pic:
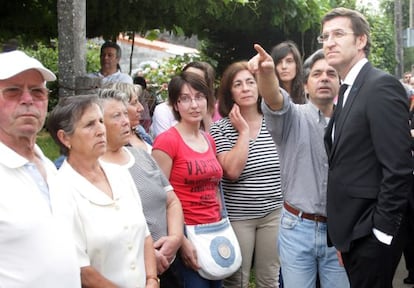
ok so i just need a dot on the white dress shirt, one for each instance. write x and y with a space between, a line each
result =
36 246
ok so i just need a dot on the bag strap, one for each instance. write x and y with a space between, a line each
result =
220 187
223 204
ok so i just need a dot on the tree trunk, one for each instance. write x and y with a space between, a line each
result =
399 39
72 43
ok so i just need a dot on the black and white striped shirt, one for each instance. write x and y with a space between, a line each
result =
257 192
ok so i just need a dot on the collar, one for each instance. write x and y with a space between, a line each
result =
113 74
316 112
85 188
13 160
353 73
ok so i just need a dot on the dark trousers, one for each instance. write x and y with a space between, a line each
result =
409 245
171 277
409 241
372 264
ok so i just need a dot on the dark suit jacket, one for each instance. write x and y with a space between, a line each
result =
370 169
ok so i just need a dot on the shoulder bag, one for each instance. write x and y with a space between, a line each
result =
218 250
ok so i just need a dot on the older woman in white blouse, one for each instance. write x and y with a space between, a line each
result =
113 241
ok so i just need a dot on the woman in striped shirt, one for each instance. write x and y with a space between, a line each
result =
251 181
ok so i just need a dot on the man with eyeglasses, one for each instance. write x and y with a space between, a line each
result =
36 245
368 146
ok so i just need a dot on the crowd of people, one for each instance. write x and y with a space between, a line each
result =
314 160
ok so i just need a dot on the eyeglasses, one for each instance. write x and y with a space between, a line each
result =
335 34
187 99
14 93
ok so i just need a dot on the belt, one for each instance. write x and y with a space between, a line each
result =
301 214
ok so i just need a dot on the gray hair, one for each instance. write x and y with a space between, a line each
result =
106 94
127 88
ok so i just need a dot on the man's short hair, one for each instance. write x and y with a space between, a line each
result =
310 61
360 25
109 44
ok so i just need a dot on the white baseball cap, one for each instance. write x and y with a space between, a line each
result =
15 62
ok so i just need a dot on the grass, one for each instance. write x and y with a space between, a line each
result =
48 146
252 279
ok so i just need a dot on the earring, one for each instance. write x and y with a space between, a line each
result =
69 146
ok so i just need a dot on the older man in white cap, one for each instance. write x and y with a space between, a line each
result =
36 248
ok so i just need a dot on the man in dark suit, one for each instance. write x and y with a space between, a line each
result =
368 146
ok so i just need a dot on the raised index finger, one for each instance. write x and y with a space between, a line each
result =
260 50
255 61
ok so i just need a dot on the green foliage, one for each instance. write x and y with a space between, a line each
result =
408 59
157 78
93 51
108 18
230 37
351 4
48 55
382 53
28 20
388 7
229 27
48 146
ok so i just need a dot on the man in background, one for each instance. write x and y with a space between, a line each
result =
110 69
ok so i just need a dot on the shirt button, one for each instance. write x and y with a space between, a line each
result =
132 266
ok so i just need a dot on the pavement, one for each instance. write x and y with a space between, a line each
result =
400 274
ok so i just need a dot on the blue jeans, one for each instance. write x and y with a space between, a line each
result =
304 253
191 279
